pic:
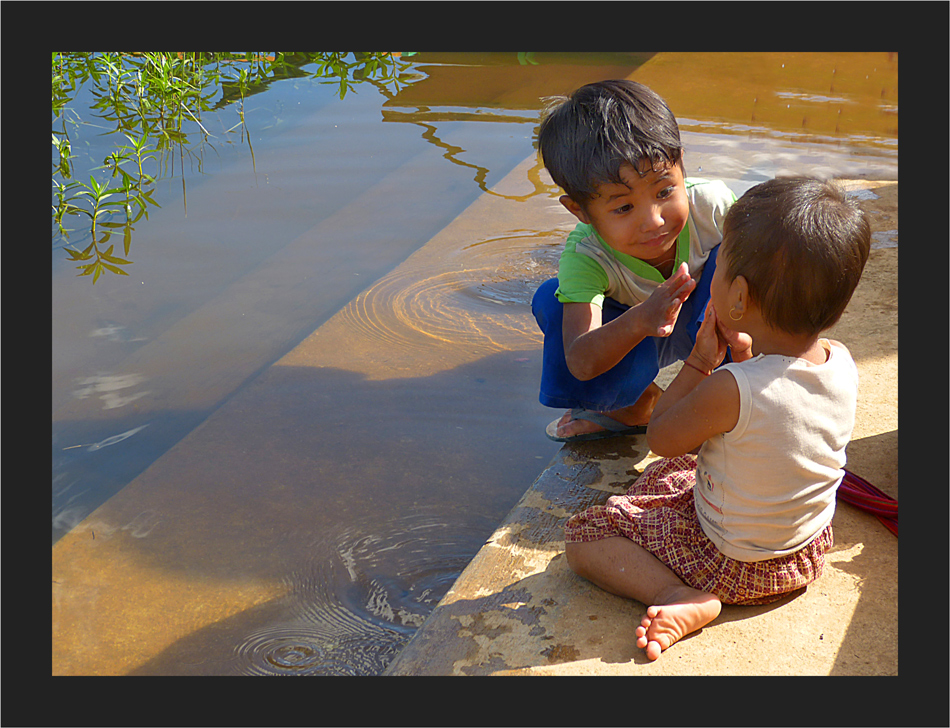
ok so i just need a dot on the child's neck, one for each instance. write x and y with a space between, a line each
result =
772 341
767 339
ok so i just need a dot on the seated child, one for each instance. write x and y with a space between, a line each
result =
633 279
749 519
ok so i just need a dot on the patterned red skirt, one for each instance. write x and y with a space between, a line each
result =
658 513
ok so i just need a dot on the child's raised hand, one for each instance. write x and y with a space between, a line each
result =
663 306
738 341
710 346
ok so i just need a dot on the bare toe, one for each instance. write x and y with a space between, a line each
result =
569 427
654 650
642 636
664 625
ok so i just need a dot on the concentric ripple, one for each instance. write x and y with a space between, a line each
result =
282 650
462 297
365 591
515 265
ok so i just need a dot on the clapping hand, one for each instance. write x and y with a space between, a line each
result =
714 338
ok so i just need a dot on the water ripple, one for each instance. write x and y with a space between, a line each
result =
463 299
281 650
363 594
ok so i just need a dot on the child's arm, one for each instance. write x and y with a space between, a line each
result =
592 347
696 406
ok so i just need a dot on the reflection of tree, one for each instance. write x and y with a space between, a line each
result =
452 152
426 118
156 101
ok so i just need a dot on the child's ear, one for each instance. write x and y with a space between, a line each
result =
574 208
739 294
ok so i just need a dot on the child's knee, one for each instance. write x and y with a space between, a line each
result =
544 303
546 290
576 557
545 294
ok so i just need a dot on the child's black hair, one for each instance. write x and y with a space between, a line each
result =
586 137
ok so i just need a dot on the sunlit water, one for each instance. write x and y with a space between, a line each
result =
399 457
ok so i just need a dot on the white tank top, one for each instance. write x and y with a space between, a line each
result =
767 487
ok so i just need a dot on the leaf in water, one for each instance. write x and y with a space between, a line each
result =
114 269
150 96
112 259
76 255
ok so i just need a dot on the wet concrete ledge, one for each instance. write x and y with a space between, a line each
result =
517 609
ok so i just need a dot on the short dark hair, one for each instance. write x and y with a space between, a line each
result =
801 244
585 137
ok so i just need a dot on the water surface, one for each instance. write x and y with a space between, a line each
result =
315 395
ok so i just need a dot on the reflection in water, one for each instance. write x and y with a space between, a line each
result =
155 100
452 151
311 514
109 390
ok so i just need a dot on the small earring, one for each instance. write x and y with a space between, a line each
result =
732 315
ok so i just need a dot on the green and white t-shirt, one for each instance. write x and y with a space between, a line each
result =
591 270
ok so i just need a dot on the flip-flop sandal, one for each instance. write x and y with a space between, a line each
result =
612 428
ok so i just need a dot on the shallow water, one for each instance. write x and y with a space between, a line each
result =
360 474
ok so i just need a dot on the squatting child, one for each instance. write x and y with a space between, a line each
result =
748 520
633 279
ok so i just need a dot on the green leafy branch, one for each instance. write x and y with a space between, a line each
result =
151 98
100 212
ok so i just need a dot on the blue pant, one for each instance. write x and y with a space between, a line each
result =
622 385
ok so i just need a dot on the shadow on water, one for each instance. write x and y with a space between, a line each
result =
305 518
363 499
270 248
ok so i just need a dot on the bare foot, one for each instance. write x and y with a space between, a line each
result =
636 414
665 624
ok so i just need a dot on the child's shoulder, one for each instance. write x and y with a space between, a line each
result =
708 188
839 348
583 234
709 198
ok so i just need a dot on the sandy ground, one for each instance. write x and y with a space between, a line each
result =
518 609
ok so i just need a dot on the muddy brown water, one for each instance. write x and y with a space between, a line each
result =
307 407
